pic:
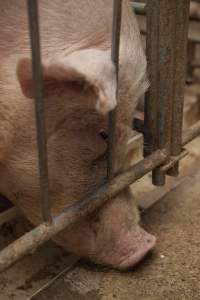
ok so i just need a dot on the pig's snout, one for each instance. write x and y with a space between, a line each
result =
126 251
138 251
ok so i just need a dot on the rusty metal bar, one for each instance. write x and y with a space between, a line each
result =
166 11
179 77
32 6
174 160
160 53
38 236
116 29
167 30
8 215
150 107
191 133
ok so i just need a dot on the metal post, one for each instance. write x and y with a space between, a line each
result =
150 107
167 27
116 29
179 77
39 107
160 50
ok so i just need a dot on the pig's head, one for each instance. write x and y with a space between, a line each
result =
79 90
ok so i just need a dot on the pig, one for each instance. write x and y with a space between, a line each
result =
79 90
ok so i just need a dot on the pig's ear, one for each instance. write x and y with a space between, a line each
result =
91 67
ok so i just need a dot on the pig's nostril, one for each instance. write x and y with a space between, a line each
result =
103 134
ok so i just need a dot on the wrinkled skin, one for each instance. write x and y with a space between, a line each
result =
79 89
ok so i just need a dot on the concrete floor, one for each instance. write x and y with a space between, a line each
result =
28 275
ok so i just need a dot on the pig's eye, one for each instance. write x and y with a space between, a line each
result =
103 134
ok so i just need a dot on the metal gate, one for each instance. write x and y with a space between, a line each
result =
164 141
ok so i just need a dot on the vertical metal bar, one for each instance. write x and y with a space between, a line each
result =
160 25
116 29
180 50
39 107
150 107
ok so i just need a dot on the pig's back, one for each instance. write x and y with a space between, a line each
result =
65 25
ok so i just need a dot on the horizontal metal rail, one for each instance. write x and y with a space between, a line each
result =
192 39
29 242
191 133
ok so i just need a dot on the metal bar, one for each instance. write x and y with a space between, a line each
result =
179 77
166 55
150 107
191 133
160 53
32 240
173 161
39 107
116 29
9 215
